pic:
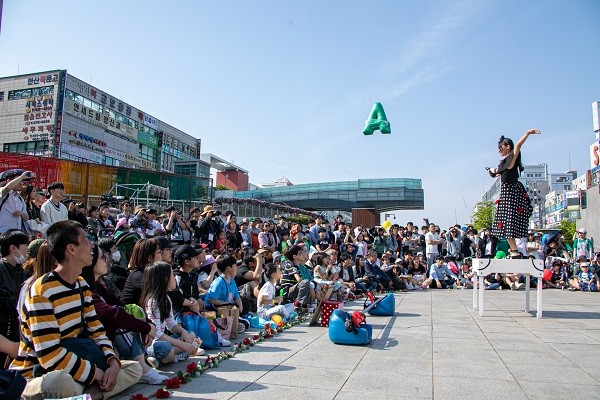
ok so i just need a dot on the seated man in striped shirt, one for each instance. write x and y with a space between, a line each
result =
64 350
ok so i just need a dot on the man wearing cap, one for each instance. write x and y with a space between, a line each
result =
165 246
186 297
53 210
582 246
208 229
157 228
174 224
139 223
13 210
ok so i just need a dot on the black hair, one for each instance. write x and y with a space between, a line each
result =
310 221
439 257
106 243
320 258
508 142
155 285
224 261
292 252
270 269
248 255
12 237
344 257
55 185
322 230
61 234
91 209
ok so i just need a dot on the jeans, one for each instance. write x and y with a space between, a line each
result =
492 286
127 350
82 348
160 349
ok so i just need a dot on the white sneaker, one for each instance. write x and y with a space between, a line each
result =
513 286
520 286
200 352
409 286
153 377
224 342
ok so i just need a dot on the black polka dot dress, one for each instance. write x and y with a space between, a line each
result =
513 212
514 206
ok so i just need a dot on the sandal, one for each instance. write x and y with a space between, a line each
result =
515 254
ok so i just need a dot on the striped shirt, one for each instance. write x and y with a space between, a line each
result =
51 313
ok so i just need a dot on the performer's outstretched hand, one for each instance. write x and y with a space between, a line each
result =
534 132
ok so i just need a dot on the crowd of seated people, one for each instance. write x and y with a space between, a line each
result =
94 304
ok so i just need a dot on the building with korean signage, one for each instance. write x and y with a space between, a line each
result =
55 114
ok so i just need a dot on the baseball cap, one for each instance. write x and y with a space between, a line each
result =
185 252
164 243
12 174
34 247
582 230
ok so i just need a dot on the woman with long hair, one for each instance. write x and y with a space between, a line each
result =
514 205
233 235
29 195
43 263
164 349
360 245
129 334
145 252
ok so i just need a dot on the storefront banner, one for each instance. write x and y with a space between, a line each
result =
116 154
97 118
81 153
147 139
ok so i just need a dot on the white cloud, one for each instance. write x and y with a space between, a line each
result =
430 53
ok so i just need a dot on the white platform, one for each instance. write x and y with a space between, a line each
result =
485 266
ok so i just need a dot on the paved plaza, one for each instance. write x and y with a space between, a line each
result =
434 347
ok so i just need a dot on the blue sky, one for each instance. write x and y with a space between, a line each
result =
283 88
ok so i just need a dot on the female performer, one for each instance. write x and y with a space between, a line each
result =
514 206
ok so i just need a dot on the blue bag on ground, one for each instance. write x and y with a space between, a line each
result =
385 306
338 333
201 327
258 322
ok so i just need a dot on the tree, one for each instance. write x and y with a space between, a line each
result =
221 187
568 230
483 216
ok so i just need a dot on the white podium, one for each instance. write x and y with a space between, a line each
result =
485 266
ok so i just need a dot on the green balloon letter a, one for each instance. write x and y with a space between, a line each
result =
377 120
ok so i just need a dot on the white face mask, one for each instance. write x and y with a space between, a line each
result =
20 259
116 256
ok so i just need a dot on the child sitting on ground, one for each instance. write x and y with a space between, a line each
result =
465 276
158 281
586 279
267 303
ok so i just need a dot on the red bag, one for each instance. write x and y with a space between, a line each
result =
328 307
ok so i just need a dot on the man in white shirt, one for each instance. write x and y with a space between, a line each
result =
53 210
432 239
12 207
